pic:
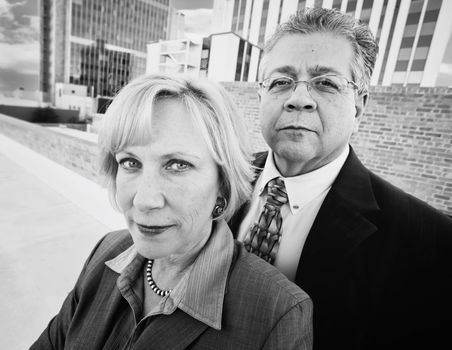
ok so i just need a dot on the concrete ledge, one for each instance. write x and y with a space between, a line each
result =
66 148
83 192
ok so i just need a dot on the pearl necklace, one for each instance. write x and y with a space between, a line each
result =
155 289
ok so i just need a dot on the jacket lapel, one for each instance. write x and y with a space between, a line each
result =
176 331
341 224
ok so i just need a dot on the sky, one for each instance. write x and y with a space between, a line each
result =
198 15
19 44
19 38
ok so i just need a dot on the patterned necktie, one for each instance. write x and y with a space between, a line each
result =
264 236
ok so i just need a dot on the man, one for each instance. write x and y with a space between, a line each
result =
375 260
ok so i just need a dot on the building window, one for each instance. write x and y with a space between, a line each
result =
264 19
351 7
388 47
238 68
301 5
246 68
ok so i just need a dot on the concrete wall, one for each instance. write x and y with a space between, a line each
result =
41 115
405 137
74 153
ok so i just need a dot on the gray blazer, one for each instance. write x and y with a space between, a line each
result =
262 310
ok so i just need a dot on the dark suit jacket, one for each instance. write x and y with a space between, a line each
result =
377 264
261 310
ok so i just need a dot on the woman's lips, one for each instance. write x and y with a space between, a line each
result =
154 229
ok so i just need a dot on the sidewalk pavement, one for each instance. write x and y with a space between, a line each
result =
50 219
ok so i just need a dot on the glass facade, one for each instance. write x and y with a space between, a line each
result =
117 31
366 11
336 4
45 51
301 5
241 18
238 69
263 23
103 42
235 15
351 8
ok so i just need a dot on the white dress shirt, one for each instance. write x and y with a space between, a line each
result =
306 193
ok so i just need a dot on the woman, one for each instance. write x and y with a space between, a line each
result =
173 151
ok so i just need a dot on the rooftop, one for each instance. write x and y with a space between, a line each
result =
50 219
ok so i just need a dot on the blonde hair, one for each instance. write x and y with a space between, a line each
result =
128 121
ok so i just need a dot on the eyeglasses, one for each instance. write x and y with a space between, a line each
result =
323 85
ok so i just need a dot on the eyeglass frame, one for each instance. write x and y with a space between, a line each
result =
307 82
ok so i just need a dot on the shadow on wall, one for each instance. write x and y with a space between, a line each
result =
42 115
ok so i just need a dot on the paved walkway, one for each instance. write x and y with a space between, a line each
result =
50 219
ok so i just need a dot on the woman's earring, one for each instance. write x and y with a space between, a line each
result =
220 206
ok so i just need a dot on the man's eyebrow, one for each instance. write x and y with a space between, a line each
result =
288 70
321 70
312 71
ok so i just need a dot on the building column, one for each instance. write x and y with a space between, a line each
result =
441 37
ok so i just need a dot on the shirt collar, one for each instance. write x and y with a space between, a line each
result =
302 189
201 291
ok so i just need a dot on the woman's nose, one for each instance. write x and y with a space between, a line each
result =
149 193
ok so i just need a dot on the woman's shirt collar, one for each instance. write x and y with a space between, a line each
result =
200 293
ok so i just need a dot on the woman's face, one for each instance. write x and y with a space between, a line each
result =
167 187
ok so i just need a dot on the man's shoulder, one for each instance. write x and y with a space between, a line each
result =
391 200
391 197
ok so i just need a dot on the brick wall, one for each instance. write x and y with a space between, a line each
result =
405 137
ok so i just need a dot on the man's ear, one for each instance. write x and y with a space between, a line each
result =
361 101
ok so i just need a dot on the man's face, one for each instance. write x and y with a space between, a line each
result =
308 129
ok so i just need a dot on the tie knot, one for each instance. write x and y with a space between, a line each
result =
276 192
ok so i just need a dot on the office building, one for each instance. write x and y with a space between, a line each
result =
177 25
174 56
221 57
414 36
100 44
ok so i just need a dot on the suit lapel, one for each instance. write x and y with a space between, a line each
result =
176 332
341 224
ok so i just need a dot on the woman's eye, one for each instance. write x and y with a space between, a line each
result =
129 163
178 165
